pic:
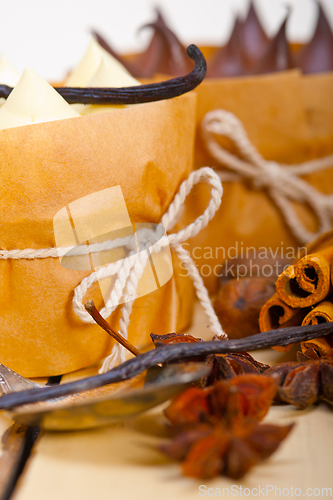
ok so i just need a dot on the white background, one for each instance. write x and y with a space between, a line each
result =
52 35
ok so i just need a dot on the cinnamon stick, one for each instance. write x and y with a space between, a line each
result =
308 281
276 314
322 313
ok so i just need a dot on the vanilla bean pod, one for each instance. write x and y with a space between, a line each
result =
138 94
163 354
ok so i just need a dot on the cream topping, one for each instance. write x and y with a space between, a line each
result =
33 100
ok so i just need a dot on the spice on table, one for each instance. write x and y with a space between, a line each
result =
302 285
238 304
94 313
308 281
306 381
223 366
228 366
275 313
244 286
216 429
247 396
322 313
166 354
173 338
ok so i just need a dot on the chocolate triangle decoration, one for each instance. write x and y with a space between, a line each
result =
165 53
254 38
317 55
228 60
106 46
278 55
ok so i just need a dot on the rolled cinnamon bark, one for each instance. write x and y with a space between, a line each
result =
275 314
322 313
308 281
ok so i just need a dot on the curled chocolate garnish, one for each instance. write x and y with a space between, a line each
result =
172 58
164 54
278 55
228 60
138 94
254 38
146 63
317 55
166 354
106 46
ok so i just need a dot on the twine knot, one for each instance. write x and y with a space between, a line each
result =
266 177
129 270
282 182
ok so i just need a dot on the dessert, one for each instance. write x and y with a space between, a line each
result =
33 100
62 158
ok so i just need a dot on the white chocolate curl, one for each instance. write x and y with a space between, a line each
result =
33 100
88 72
99 69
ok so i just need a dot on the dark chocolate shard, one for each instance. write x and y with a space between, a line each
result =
278 55
254 38
106 46
147 62
317 55
229 60
165 53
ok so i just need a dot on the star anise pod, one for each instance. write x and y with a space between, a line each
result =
208 450
223 366
216 429
238 304
172 338
306 381
247 396
228 366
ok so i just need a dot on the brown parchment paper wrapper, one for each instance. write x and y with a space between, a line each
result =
280 113
146 149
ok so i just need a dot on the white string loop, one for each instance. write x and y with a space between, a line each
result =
282 182
129 270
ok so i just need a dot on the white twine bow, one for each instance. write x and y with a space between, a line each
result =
129 270
282 182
